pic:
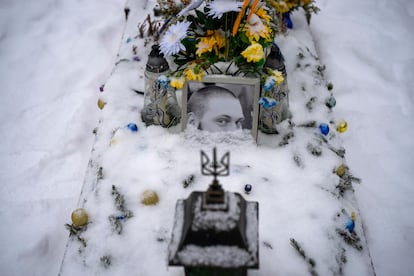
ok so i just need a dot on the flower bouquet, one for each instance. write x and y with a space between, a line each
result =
221 37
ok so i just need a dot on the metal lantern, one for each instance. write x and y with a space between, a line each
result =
270 117
160 103
215 232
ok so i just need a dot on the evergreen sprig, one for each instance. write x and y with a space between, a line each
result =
350 238
311 262
116 220
345 183
76 231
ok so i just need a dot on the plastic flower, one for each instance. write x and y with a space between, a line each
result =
193 72
278 76
163 81
255 29
217 8
253 53
205 45
269 84
275 77
262 13
282 7
267 102
214 40
171 42
177 82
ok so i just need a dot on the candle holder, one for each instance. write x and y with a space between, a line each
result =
160 102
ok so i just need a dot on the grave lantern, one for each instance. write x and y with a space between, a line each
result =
160 103
215 232
270 117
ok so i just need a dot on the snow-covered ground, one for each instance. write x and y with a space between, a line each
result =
367 47
54 56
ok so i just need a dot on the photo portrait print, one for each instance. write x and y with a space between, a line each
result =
221 103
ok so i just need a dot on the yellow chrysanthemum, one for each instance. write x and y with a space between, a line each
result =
253 53
219 37
262 13
193 72
177 83
214 40
255 29
205 45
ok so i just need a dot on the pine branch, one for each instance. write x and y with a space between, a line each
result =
341 260
350 238
106 261
345 183
76 231
302 253
116 220
188 180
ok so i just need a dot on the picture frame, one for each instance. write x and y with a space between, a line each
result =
207 105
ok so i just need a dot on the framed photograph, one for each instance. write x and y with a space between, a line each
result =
220 103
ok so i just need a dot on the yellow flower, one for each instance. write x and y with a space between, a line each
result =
205 45
253 53
220 38
255 29
177 83
214 40
278 76
193 72
262 13
281 7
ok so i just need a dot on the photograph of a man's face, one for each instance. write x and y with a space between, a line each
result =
221 105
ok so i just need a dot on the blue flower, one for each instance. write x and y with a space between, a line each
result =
163 81
269 84
267 102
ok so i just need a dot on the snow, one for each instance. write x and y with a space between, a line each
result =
55 55
217 220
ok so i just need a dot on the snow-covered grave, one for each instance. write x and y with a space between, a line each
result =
300 176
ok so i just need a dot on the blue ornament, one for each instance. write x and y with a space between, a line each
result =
350 225
133 127
136 58
267 102
331 102
128 40
287 20
324 128
247 188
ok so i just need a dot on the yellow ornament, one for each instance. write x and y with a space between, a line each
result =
149 197
80 217
342 126
101 104
340 171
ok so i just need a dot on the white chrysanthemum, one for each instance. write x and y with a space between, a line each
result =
218 8
171 42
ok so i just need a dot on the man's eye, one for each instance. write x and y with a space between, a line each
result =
239 122
222 121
